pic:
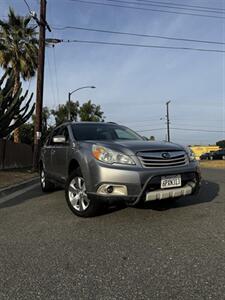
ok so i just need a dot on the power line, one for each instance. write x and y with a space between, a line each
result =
184 129
192 129
185 5
138 34
154 129
28 6
146 9
142 45
166 6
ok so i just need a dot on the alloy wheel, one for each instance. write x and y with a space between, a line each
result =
43 182
77 194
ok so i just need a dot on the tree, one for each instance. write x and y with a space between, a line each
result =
13 111
18 49
91 112
27 133
221 143
27 130
61 112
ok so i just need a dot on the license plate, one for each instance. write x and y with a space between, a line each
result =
170 181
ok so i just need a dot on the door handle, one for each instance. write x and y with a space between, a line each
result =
53 151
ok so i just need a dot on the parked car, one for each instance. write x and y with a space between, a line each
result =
103 163
219 154
207 155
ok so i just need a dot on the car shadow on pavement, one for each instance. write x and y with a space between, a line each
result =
208 191
29 195
106 210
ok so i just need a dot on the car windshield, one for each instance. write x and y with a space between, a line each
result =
103 132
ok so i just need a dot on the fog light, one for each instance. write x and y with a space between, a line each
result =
112 190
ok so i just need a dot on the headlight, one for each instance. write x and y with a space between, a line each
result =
109 156
191 154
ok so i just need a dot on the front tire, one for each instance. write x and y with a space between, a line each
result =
76 196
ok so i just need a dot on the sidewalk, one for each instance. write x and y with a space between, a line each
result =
12 177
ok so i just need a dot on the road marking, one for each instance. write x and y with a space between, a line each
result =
18 193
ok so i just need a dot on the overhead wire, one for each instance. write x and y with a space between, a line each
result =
200 130
185 129
137 34
153 129
146 9
142 45
166 6
181 4
28 6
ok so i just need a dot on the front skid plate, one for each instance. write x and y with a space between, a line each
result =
172 193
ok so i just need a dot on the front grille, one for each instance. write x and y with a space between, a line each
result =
163 159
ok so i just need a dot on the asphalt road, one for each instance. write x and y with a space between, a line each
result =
160 252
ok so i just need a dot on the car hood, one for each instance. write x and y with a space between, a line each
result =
133 147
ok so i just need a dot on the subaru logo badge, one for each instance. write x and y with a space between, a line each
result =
166 155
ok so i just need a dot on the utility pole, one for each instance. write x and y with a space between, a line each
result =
168 120
40 84
69 108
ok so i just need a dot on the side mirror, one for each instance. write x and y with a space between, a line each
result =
59 139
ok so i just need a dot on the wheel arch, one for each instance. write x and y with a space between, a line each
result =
73 165
41 164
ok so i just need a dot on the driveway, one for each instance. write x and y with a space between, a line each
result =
163 251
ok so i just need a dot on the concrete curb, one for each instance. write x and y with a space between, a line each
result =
18 186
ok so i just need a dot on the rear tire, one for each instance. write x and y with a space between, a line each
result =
76 196
46 185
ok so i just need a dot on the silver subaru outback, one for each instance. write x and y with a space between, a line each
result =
104 162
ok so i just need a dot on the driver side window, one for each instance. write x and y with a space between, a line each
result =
65 133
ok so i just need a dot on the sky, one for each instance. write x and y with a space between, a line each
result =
132 83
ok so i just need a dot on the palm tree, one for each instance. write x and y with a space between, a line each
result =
18 49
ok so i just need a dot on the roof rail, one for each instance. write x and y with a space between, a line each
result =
112 123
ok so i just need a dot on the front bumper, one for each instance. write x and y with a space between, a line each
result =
142 183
